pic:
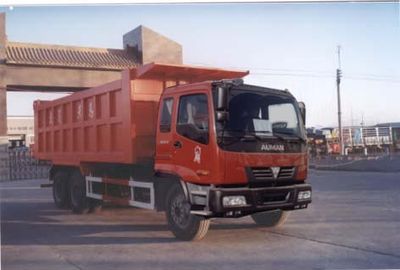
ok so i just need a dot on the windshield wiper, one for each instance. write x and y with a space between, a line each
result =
270 135
290 134
247 136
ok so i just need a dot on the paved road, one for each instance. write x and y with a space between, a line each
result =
358 163
354 222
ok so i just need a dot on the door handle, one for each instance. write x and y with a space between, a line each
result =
177 144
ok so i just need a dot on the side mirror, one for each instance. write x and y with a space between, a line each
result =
302 108
222 104
222 98
222 116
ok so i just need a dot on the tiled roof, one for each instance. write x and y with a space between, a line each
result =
68 56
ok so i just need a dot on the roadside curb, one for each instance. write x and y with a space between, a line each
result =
384 165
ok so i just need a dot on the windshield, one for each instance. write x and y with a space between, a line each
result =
262 114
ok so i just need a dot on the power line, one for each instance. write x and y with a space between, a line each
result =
326 76
369 75
371 79
266 68
310 73
291 74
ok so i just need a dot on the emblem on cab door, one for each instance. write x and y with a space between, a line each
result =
197 154
275 171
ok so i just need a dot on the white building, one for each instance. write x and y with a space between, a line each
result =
20 130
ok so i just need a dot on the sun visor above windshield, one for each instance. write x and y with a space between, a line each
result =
190 74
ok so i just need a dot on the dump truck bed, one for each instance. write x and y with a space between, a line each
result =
115 122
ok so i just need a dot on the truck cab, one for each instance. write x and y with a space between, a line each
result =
238 149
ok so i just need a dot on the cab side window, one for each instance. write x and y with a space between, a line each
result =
166 115
193 118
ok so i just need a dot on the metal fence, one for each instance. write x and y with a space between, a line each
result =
4 166
22 165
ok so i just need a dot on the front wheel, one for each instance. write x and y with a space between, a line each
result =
184 225
273 218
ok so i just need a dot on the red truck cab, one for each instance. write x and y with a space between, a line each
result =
241 149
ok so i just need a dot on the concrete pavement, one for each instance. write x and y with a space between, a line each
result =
353 222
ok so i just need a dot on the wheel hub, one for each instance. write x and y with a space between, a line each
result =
180 211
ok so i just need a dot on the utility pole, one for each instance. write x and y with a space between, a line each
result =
338 76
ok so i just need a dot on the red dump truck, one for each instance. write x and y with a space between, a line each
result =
194 142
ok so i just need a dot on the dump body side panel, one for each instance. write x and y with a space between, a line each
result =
88 126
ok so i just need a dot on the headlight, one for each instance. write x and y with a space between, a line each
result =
234 201
304 195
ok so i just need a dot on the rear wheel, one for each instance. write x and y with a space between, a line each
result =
184 225
79 202
61 190
273 218
95 206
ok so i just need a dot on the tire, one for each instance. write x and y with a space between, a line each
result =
95 206
61 190
182 224
273 218
79 202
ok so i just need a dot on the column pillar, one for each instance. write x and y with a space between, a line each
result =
4 159
3 102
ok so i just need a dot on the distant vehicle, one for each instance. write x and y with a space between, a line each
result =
193 142
332 140
317 144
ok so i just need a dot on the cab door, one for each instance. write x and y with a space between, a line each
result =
193 152
164 140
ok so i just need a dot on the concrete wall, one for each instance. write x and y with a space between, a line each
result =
20 125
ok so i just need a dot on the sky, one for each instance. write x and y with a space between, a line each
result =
286 46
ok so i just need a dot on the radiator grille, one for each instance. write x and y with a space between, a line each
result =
265 173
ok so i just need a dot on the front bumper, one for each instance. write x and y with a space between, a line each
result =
258 199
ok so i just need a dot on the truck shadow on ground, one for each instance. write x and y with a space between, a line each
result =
42 224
